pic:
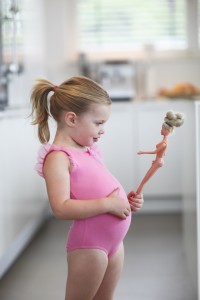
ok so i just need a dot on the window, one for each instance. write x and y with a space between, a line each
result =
133 25
11 30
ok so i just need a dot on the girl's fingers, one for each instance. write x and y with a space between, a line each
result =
136 205
136 201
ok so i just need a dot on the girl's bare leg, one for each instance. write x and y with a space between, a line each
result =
113 272
86 270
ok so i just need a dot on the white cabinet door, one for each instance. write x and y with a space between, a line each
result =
22 193
118 143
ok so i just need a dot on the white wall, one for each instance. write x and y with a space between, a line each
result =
60 37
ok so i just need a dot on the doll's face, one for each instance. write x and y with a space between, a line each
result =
165 131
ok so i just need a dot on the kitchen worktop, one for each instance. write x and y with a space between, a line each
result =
15 111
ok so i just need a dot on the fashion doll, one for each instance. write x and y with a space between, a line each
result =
171 120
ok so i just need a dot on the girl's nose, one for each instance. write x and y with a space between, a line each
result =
102 131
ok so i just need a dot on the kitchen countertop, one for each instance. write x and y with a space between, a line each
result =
13 112
18 111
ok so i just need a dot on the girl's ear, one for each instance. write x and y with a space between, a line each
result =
70 118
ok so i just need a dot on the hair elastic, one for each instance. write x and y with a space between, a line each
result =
55 88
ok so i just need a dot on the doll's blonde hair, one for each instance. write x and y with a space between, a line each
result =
172 120
75 94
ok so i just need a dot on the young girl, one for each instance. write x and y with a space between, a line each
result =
80 187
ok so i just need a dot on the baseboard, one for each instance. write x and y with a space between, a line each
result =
162 204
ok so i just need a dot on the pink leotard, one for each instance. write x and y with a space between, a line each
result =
90 179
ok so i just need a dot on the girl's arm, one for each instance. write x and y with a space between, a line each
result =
57 177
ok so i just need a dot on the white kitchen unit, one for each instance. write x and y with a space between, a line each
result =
196 212
135 126
23 200
118 144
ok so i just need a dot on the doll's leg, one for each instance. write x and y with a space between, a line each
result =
86 269
148 175
113 272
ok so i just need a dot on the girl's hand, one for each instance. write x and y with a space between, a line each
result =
135 200
117 206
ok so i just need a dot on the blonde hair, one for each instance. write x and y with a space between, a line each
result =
75 94
172 120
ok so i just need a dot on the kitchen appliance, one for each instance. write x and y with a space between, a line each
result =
118 79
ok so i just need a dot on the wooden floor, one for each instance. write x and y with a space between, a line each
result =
155 264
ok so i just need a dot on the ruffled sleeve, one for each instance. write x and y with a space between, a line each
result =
48 148
42 153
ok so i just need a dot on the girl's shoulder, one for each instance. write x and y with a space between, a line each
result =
44 151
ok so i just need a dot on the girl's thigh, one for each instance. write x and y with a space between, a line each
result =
86 270
112 275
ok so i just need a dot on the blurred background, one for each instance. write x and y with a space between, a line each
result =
146 54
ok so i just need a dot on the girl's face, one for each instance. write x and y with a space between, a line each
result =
90 125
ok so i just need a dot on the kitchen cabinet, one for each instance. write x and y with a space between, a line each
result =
117 145
23 200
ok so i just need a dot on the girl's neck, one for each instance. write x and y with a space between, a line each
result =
65 140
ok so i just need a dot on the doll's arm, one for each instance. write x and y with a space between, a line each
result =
161 147
147 152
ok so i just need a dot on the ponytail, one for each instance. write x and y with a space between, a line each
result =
40 109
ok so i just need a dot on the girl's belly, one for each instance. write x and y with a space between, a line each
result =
104 232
